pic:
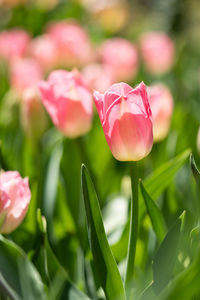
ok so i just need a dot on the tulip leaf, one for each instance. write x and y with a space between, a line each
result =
51 183
154 213
155 184
60 285
166 256
104 263
185 285
162 177
18 276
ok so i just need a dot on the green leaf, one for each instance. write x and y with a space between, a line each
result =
194 168
155 184
19 278
104 262
186 285
163 176
166 255
155 214
60 285
51 183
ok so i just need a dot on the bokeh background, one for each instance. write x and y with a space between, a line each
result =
53 162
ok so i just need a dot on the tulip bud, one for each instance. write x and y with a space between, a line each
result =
25 73
161 103
121 56
13 44
68 101
125 116
72 42
14 200
157 51
33 115
44 50
98 77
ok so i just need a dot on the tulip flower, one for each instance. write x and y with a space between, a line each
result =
33 115
157 51
121 56
68 101
161 102
44 50
98 77
13 44
72 42
126 120
25 73
14 200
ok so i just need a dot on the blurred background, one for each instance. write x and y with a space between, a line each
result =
31 144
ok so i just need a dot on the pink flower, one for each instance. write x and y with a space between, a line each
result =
121 56
157 52
125 116
161 102
72 42
14 200
12 3
44 50
98 77
13 43
68 101
25 73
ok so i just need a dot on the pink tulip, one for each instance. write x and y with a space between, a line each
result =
44 50
33 115
68 101
121 56
13 44
98 77
161 102
14 200
72 42
25 73
125 116
158 52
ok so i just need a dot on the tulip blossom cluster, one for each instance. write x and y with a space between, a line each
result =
14 200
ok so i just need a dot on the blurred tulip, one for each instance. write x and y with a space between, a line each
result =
121 56
157 51
161 103
198 141
13 43
44 50
11 3
72 42
98 77
14 200
126 120
46 4
107 12
33 115
68 101
25 73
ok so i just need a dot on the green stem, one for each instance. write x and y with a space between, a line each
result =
133 232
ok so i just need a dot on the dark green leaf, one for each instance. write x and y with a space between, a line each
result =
166 256
18 275
104 262
155 214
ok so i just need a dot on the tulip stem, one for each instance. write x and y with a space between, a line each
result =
133 231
